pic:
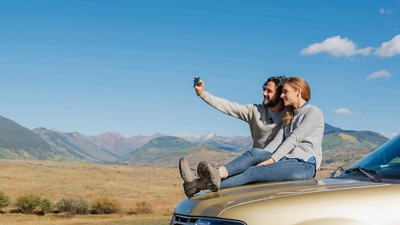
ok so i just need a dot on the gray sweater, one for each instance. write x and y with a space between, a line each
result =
264 125
302 138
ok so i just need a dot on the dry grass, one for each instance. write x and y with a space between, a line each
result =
160 187
24 219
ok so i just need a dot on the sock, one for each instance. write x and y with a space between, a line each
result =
223 172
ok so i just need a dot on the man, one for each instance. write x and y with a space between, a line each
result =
264 121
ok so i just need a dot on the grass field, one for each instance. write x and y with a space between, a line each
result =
160 187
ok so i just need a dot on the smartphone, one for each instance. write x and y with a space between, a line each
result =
196 81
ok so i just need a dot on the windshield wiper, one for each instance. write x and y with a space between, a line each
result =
367 172
333 174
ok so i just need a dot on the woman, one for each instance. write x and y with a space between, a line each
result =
294 154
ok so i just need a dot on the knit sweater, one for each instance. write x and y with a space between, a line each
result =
264 125
302 138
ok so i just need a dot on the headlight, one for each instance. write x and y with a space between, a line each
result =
208 221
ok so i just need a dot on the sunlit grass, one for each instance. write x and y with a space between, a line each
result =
159 187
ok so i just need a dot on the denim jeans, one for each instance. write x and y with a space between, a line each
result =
243 169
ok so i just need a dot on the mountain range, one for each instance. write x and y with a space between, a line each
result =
18 142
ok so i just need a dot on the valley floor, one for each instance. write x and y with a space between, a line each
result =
52 219
159 187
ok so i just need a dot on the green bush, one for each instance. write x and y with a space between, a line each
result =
81 206
143 208
46 205
105 205
4 200
27 203
330 161
64 205
74 206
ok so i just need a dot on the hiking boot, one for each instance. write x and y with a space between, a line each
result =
194 187
188 175
201 184
210 175
190 188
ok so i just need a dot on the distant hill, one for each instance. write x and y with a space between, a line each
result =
75 146
328 128
166 151
120 145
17 142
336 138
233 143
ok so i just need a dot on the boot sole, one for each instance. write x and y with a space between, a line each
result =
182 171
204 172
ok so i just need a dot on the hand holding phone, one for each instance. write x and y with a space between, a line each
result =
196 81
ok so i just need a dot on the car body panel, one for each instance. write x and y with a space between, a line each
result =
366 193
299 202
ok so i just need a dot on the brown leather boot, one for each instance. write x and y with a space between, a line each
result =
190 188
194 187
210 175
188 174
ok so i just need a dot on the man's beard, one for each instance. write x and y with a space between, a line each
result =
273 102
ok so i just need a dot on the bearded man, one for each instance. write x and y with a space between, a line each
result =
264 119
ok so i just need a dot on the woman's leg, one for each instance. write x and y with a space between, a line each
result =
246 160
286 169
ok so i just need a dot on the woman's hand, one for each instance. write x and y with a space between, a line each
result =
267 162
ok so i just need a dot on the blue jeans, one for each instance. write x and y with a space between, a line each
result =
243 169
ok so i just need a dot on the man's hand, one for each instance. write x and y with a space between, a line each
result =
267 162
199 88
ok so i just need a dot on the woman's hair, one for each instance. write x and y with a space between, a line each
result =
297 83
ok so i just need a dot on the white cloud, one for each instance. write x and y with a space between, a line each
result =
345 111
378 74
383 11
391 135
389 48
336 46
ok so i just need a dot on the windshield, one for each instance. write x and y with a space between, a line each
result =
385 160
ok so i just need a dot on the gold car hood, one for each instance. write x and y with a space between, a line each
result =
213 203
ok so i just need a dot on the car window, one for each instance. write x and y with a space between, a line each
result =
385 160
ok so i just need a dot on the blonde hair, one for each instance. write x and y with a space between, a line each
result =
297 83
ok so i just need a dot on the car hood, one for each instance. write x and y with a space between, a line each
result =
212 204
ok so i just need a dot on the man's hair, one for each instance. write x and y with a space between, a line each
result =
278 80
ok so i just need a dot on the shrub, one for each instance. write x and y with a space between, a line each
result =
4 200
81 206
27 203
104 205
64 205
329 161
143 208
46 205
74 206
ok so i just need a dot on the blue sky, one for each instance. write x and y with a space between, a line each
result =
127 66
